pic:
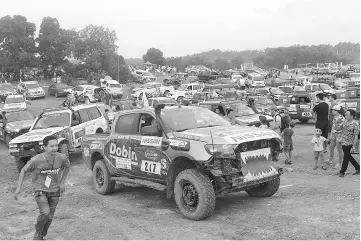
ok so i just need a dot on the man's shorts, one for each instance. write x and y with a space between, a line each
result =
323 126
288 148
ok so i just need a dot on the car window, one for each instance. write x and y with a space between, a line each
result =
94 113
127 124
84 117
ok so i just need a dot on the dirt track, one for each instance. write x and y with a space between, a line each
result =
310 205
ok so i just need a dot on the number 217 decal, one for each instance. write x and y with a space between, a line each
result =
150 167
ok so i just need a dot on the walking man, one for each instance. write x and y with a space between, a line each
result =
49 171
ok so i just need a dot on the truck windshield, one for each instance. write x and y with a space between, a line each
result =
185 119
242 109
53 120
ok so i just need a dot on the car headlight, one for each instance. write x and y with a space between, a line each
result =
221 150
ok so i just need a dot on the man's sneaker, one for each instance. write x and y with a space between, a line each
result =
357 172
341 175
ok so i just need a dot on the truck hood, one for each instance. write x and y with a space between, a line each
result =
36 135
248 119
233 134
18 125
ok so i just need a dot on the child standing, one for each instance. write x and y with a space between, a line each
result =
287 134
318 141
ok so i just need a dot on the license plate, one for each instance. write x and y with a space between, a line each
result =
306 114
150 167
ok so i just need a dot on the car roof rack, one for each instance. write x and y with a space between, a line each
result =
47 110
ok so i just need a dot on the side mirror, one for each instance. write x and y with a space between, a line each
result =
150 131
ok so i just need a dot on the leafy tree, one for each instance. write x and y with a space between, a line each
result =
94 45
17 44
53 44
154 56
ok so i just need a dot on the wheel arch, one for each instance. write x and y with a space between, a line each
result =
95 156
178 165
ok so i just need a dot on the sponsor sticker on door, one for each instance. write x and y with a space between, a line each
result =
151 141
123 163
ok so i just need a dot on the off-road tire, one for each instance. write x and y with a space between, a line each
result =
267 189
20 163
180 100
108 185
63 148
206 194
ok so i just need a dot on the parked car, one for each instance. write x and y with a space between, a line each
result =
5 90
152 88
69 125
113 86
15 102
14 123
143 76
31 89
59 89
88 93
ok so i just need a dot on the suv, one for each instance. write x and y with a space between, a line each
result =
88 93
31 89
113 86
190 153
68 124
186 92
14 123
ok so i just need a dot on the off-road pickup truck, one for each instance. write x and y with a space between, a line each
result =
189 152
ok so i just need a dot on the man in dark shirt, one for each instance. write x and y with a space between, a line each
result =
321 111
49 171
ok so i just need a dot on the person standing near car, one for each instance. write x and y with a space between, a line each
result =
321 110
49 171
349 132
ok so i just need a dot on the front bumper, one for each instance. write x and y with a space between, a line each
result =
240 184
36 95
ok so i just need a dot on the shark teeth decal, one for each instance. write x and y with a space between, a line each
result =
271 171
264 154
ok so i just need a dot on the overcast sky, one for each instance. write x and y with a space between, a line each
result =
191 26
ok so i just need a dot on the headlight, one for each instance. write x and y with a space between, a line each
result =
220 150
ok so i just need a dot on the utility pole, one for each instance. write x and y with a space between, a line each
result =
118 68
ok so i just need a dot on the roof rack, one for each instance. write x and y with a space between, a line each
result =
46 110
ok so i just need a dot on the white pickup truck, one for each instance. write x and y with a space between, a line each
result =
152 88
186 91
113 86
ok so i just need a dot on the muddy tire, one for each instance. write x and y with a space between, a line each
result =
20 163
101 178
267 189
63 148
194 195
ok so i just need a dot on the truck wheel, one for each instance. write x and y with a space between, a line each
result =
101 178
194 195
180 100
63 148
266 189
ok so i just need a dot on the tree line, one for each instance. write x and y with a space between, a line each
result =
54 50
347 53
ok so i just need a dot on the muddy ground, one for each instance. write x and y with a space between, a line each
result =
309 205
